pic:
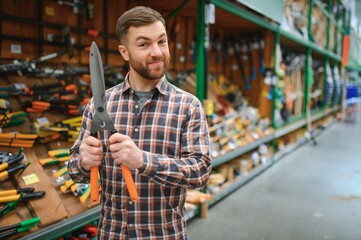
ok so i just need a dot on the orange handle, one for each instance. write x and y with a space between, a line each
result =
130 183
94 192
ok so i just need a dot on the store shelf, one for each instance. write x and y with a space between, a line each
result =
290 128
327 14
300 123
235 153
191 214
240 181
324 113
227 6
293 147
287 150
62 228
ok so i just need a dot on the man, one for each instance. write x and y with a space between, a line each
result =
163 138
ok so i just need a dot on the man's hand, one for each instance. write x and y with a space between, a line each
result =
91 152
124 151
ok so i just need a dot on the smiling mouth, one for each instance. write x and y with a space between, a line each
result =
155 63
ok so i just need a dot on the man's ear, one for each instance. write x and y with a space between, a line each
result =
124 52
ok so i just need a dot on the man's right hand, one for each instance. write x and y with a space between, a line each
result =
91 152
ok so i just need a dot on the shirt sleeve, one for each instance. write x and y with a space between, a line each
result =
76 171
193 168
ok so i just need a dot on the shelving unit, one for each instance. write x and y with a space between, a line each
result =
283 37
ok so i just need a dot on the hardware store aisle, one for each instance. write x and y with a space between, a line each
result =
312 193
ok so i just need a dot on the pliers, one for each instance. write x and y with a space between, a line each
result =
102 121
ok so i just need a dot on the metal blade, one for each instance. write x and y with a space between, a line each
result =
101 119
96 75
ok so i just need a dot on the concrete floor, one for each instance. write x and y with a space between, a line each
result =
312 193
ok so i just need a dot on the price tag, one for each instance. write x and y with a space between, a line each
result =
31 179
15 48
43 120
49 11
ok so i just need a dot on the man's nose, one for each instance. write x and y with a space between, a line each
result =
156 51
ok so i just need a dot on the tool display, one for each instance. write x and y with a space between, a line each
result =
22 196
67 129
17 139
8 207
23 226
11 160
16 191
101 121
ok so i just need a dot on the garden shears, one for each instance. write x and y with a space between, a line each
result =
102 121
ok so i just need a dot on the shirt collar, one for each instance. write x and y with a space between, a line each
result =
162 85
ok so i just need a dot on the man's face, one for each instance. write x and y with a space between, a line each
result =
147 50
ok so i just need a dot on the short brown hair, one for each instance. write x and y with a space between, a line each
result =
137 16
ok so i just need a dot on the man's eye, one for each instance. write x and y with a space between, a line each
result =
142 45
163 41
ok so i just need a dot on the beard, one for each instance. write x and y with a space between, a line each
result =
147 73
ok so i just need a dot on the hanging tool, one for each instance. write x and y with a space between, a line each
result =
216 46
23 226
260 42
29 66
237 52
248 43
101 121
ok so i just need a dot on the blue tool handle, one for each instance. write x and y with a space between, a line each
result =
248 84
253 73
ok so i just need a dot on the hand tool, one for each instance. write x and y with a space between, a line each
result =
22 196
16 191
66 186
238 56
11 161
11 119
8 207
63 170
102 121
17 139
51 160
8 156
260 42
61 152
5 174
85 194
247 42
18 228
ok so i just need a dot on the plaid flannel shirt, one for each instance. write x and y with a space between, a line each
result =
172 132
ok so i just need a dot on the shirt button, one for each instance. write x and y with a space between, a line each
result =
130 202
136 106
136 130
130 225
